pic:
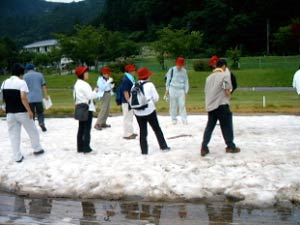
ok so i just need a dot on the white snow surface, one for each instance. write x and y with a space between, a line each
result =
267 169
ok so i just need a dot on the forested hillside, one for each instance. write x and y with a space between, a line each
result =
26 21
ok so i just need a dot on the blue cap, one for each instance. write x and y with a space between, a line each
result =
29 66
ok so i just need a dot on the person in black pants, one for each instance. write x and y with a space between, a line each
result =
148 113
218 89
83 93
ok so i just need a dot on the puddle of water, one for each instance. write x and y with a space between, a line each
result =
18 210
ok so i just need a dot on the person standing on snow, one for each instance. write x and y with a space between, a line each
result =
296 81
18 113
217 98
37 86
177 87
148 114
105 86
127 82
83 93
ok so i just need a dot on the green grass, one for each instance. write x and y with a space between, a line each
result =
60 87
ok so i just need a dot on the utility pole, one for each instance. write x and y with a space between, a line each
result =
268 36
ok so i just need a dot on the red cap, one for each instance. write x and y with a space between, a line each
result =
179 61
106 70
213 60
130 68
80 70
144 73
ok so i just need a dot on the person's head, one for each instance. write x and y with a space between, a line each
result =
29 66
144 73
222 64
130 68
106 71
213 61
82 72
18 70
180 63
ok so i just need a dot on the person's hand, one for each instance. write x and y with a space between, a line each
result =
166 98
96 90
110 80
112 85
30 114
47 97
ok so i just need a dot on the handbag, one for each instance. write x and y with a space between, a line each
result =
81 112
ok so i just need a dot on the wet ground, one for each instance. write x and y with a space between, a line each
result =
16 210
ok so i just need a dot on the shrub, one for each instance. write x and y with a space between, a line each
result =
201 65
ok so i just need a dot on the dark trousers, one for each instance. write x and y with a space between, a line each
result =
84 134
37 108
224 115
152 120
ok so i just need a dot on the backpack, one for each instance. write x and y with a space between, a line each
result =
119 94
137 100
233 82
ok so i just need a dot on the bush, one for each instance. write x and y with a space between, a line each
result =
201 65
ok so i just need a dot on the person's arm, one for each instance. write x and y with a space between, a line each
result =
168 75
186 84
45 90
126 95
26 104
154 94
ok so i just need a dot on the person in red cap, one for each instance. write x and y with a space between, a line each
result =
177 87
83 93
105 85
148 114
127 82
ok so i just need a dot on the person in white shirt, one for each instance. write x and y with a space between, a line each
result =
18 113
296 81
148 115
83 93
177 87
105 86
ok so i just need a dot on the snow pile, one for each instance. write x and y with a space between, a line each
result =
266 170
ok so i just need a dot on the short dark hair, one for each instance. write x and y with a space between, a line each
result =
221 62
17 69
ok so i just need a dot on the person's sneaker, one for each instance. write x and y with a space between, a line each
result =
20 160
39 152
42 126
232 150
204 152
97 126
166 149
133 136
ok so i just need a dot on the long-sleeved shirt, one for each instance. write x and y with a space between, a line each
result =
104 86
83 93
152 97
179 79
296 81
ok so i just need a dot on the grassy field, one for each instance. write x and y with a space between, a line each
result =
273 72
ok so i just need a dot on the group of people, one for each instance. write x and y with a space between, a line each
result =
218 89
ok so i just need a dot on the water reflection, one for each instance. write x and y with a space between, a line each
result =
17 210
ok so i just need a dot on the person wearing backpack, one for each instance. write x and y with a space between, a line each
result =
125 87
146 111
177 87
105 86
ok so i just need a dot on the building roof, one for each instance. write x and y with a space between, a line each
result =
44 43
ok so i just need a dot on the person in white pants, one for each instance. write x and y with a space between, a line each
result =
177 87
18 113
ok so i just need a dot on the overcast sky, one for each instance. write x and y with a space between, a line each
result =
64 1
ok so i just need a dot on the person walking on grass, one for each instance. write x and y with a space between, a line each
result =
177 87
296 81
148 114
127 82
105 86
37 87
217 98
18 113
83 93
